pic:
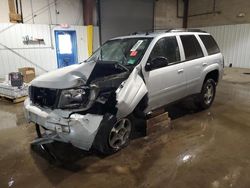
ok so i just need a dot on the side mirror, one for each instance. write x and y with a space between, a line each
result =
156 63
148 66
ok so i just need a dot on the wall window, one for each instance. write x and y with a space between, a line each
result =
210 44
191 47
166 47
65 44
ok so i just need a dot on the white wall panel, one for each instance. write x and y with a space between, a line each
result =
47 11
43 56
234 42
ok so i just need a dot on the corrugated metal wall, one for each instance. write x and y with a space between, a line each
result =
14 54
234 42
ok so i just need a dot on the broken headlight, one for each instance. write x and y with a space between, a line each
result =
73 98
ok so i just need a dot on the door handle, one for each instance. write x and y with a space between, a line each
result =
180 71
204 64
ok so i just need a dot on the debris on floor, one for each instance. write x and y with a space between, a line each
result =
157 119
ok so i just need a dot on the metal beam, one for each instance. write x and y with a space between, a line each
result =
88 9
185 14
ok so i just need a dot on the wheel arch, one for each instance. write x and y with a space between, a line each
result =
214 74
212 71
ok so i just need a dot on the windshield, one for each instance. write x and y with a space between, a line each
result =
128 51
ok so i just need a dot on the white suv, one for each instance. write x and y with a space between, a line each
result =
98 103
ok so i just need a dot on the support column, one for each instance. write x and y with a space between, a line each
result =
90 31
88 9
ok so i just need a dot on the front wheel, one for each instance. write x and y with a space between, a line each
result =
205 99
113 134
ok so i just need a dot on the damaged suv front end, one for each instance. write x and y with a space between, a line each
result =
89 104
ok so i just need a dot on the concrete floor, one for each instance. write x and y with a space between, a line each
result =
205 149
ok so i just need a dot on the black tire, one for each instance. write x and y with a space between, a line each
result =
205 99
38 131
139 109
102 143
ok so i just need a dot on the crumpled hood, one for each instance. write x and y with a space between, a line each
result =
66 77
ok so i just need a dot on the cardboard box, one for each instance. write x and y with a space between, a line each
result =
28 73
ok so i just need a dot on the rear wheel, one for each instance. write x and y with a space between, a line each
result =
205 99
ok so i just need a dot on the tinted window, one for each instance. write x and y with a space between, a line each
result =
210 44
168 48
191 47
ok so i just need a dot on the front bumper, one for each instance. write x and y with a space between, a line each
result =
65 126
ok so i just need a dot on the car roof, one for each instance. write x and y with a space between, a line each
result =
158 33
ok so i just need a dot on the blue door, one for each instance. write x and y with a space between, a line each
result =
66 48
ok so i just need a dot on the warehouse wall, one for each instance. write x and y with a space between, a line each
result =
234 42
47 11
166 15
230 11
48 16
14 54
230 30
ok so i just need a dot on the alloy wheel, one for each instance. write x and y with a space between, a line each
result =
209 94
120 133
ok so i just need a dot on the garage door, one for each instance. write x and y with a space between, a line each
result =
125 17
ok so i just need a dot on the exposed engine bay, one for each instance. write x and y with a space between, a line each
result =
96 95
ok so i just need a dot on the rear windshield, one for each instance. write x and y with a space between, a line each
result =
210 44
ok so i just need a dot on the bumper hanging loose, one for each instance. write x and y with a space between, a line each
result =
64 126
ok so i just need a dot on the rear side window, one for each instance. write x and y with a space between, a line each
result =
210 44
191 47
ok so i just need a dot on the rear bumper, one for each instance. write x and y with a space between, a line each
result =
65 126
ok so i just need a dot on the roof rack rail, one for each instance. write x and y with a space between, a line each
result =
186 30
146 32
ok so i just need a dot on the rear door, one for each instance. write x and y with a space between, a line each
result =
165 84
194 62
212 51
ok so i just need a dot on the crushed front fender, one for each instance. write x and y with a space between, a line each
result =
129 94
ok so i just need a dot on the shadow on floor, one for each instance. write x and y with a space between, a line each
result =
181 109
61 155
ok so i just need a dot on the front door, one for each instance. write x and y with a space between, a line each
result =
167 83
66 48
